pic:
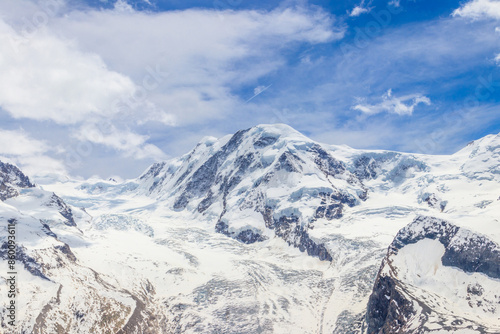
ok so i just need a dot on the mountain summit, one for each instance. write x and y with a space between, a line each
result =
259 183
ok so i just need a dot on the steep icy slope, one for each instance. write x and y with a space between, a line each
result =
211 242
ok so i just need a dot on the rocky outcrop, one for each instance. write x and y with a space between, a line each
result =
395 167
65 211
395 306
464 249
11 180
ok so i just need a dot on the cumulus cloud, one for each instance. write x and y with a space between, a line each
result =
404 105
45 78
477 9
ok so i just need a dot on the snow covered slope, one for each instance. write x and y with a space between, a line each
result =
52 285
265 231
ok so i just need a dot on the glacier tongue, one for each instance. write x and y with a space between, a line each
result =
263 231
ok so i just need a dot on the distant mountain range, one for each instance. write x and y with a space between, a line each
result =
263 231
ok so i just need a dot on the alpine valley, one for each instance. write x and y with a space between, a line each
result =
263 231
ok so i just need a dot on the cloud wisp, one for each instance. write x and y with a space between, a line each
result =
360 9
404 105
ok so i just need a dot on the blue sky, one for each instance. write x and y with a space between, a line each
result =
108 87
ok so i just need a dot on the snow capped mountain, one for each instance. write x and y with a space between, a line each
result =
263 231
262 182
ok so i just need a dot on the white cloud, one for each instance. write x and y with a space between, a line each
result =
404 105
477 9
17 142
45 78
30 154
127 142
78 68
360 9
497 59
123 6
201 64
395 3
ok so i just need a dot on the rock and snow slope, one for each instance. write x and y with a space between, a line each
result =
437 277
265 231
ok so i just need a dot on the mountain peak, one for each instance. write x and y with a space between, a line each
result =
257 184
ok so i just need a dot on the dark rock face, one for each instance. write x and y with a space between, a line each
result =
265 141
205 176
46 229
29 263
289 162
434 202
246 236
476 254
65 211
332 205
12 178
475 289
326 163
290 229
424 227
154 170
371 165
365 167
388 309
66 250
249 237
390 305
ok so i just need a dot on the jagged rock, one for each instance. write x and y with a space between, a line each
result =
12 179
65 211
